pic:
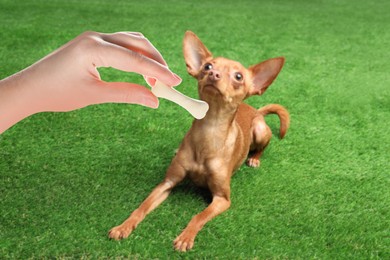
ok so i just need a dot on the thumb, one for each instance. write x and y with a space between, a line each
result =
122 92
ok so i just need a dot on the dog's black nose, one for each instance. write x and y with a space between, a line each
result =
214 75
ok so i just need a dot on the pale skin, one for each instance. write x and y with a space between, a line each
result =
68 79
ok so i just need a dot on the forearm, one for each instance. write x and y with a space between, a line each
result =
14 106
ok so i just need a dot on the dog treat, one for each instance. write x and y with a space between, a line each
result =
197 108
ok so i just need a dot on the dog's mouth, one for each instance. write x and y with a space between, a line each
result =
211 88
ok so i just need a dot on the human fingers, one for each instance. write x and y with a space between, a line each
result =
122 92
135 42
112 55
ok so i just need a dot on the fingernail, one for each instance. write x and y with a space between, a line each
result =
177 77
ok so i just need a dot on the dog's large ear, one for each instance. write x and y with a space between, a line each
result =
263 74
195 53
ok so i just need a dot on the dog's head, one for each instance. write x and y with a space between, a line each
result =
226 81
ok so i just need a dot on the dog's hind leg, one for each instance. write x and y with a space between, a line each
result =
261 137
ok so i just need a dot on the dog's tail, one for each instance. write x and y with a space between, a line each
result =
282 113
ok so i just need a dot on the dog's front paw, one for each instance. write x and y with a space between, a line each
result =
184 242
120 232
253 162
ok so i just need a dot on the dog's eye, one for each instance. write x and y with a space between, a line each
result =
208 66
238 76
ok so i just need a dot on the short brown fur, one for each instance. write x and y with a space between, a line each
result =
218 144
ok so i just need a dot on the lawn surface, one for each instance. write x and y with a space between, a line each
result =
322 192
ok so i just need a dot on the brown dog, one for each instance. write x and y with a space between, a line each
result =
218 144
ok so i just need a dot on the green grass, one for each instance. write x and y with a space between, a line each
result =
323 192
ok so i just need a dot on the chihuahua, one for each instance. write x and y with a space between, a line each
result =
218 144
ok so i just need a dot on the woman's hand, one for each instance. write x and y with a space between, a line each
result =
68 79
